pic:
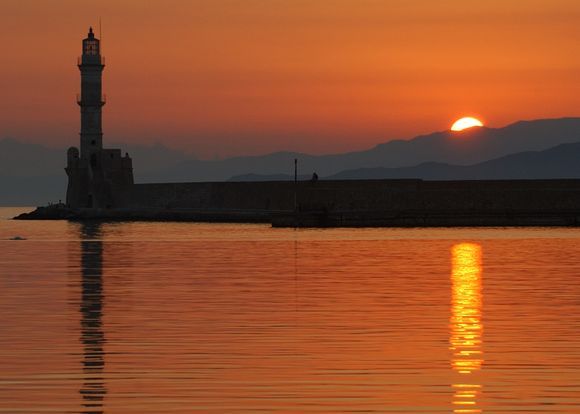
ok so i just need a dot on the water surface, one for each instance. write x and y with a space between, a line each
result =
214 318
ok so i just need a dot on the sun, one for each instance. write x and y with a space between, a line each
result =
467 122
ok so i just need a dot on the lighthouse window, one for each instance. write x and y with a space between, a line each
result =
91 47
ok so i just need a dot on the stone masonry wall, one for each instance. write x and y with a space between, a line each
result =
367 195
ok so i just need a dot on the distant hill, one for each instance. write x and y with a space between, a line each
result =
34 174
561 161
460 148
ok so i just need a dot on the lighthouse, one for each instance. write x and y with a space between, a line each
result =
90 100
98 178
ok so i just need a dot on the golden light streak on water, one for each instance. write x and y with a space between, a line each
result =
466 326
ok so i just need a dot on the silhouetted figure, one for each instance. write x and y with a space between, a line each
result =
93 389
314 178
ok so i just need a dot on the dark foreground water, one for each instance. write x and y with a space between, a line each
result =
211 318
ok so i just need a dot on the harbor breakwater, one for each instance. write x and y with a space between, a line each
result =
349 203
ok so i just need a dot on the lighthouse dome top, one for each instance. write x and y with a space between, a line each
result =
91 34
91 46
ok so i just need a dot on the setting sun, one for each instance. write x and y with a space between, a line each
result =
464 123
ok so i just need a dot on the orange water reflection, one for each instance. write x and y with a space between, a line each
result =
93 389
466 326
139 318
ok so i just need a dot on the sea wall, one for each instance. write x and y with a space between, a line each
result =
363 195
364 203
220 196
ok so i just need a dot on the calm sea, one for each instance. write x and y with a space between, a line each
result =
216 318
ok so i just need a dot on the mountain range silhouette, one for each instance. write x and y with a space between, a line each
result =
33 174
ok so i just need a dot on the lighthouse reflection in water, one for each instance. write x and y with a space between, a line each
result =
466 326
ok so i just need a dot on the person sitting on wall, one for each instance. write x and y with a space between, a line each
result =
314 178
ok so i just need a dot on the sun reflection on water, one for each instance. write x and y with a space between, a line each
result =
466 326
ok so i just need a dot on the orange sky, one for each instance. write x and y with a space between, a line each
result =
230 77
